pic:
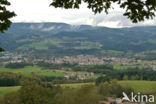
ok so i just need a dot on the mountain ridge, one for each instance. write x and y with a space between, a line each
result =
60 38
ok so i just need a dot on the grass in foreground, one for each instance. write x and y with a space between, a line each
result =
141 86
5 90
148 87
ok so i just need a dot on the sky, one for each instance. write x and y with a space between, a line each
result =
40 11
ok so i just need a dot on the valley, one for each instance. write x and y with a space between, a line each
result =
63 60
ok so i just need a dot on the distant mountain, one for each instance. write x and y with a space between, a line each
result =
65 39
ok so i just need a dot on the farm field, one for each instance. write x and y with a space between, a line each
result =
29 70
26 70
123 67
141 86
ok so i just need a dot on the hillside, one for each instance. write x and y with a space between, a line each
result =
64 39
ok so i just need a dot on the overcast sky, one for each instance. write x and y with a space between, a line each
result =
39 11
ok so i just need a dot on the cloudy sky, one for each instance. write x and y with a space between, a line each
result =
39 11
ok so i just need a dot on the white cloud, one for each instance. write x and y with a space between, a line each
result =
39 11
49 28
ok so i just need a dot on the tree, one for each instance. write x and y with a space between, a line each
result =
136 10
1 50
5 16
113 89
87 94
33 93
102 79
125 77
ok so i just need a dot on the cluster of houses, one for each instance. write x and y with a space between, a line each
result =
7 57
89 59
81 59
79 76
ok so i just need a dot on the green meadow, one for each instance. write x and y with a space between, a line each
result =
5 90
148 87
75 85
35 70
29 70
48 74
122 67
41 45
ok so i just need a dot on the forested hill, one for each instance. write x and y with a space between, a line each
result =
60 38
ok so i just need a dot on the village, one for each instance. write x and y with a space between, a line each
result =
7 57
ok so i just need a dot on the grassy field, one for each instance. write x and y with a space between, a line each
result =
141 86
122 67
41 45
5 90
26 70
111 51
29 70
48 74
138 86
75 85
35 70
